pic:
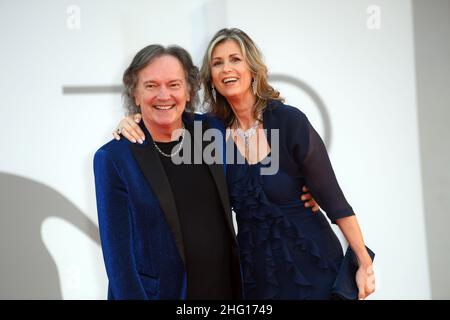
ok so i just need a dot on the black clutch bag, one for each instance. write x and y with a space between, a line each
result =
344 287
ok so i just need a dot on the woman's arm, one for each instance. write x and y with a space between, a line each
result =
365 278
322 181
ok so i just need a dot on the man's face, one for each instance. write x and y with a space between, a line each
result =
162 93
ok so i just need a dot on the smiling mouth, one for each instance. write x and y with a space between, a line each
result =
230 80
164 107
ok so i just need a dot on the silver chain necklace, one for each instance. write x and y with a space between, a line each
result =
247 134
180 145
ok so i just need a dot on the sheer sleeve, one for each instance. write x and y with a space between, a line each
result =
321 180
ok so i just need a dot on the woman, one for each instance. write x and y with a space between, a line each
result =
286 253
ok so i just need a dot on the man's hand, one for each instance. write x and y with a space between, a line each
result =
308 200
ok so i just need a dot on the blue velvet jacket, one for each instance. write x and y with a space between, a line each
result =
139 227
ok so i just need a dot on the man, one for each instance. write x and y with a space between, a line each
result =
162 238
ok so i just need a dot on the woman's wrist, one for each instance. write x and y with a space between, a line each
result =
364 260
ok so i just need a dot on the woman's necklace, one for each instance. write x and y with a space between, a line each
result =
247 134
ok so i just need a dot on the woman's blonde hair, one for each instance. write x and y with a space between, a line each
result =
252 55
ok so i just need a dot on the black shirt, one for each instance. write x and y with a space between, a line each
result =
207 240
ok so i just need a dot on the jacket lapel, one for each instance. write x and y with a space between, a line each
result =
218 175
150 164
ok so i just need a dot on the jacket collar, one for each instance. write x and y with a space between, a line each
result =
150 163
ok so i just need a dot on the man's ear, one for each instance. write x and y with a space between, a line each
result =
137 100
188 88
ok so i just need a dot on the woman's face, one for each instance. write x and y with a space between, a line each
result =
230 73
162 92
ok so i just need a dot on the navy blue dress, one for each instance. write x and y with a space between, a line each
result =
287 251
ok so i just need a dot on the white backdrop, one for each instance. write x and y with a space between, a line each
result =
359 63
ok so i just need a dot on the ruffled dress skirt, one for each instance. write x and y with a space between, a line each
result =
287 251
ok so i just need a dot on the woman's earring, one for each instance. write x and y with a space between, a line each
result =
254 86
214 94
